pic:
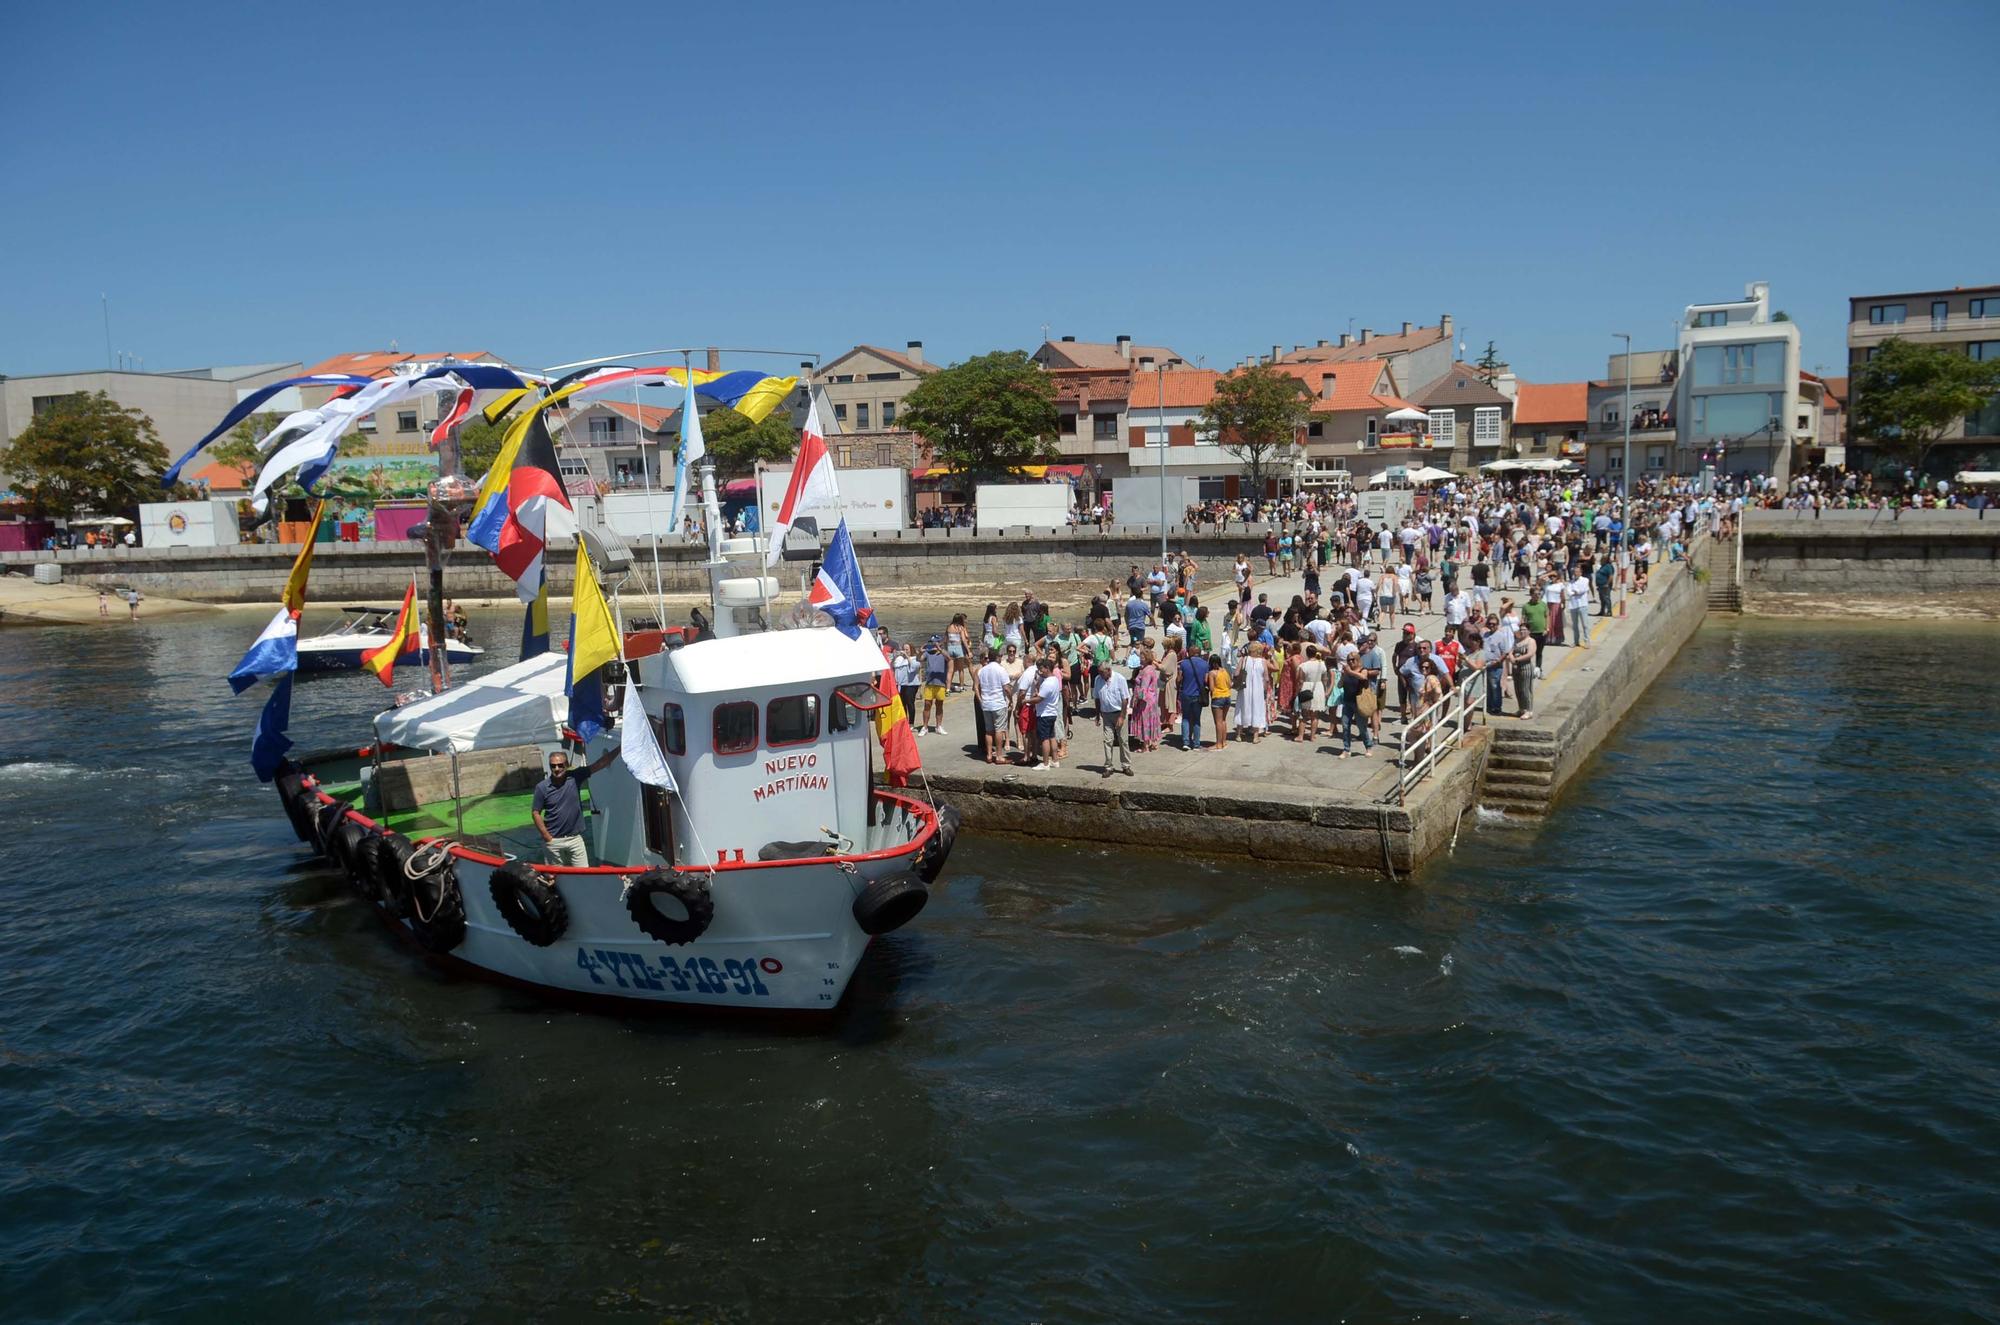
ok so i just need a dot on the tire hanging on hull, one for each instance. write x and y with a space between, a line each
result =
436 912
890 903
529 902
690 892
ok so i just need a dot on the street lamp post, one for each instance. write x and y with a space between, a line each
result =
1160 407
1625 478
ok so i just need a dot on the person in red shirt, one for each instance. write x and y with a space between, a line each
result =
1447 652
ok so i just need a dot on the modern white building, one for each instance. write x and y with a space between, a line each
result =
1737 403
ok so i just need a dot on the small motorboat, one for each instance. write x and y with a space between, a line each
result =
361 629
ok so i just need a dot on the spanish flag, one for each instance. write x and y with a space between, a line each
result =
382 661
892 729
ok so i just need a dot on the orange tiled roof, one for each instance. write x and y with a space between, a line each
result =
650 417
1354 385
374 363
221 477
1185 388
1552 402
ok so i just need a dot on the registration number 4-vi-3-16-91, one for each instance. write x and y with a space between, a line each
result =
697 975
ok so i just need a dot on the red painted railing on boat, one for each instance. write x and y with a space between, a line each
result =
909 804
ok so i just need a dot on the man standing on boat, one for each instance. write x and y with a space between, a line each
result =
558 808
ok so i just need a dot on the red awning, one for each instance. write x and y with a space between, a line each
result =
740 487
1065 471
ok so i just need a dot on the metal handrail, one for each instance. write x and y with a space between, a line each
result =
1444 723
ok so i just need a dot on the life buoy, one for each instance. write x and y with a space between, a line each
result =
391 885
436 907
890 903
688 893
529 902
930 861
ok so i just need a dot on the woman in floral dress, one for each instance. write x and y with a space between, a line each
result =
1146 702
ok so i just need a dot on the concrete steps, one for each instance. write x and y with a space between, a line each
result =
1520 773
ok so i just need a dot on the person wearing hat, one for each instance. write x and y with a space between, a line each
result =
937 681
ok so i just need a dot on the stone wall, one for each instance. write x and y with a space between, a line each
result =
254 573
1869 554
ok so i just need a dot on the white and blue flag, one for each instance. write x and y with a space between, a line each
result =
274 653
838 590
693 448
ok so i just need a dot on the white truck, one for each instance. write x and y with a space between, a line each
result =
1014 505
874 498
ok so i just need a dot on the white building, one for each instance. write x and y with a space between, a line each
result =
1738 402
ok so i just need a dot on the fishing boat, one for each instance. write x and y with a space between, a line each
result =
753 875
361 630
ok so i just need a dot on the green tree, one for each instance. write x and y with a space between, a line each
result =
1489 365
1908 396
738 444
1253 415
479 445
87 455
987 417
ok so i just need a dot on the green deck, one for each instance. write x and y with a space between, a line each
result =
503 823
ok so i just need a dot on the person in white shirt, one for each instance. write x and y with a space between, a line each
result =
1576 601
1048 716
992 683
1455 608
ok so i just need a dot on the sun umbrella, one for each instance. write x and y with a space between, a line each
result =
102 520
1407 416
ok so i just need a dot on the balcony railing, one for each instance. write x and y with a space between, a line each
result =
1922 323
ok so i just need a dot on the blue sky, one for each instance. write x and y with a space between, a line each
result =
1216 178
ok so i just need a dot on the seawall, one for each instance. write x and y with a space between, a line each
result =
255 573
1797 562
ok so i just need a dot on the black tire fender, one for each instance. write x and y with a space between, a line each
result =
530 903
890 903
345 848
327 819
292 795
391 887
930 861
437 910
690 891
363 862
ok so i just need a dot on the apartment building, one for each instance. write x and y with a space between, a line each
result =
1654 383
183 405
1361 424
1966 318
1738 396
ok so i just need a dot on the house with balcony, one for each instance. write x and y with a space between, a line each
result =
1471 422
866 387
1094 384
1654 378
1965 318
1352 436
1737 400
1550 419
619 445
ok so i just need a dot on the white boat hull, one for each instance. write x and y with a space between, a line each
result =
343 654
744 960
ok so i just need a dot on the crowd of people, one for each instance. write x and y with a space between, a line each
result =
1176 658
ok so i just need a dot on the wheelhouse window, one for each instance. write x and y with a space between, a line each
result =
671 727
792 720
855 696
735 728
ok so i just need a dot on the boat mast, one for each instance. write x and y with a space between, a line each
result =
440 532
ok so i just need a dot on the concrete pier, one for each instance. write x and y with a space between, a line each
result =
1298 801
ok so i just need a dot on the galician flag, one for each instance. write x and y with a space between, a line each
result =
693 448
812 482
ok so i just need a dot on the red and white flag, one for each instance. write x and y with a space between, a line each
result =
812 482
